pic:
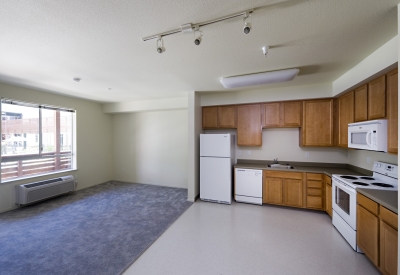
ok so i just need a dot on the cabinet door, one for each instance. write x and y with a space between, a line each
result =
290 114
377 98
271 114
388 249
368 233
227 116
249 132
328 199
317 124
361 103
346 116
293 192
210 117
273 190
392 111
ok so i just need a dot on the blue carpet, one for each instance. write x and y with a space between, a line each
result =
98 230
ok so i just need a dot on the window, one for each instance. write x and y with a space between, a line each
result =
36 139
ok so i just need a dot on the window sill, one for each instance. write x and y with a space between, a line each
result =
38 175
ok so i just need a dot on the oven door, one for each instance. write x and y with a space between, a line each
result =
344 202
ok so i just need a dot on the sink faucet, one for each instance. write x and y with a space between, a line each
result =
276 161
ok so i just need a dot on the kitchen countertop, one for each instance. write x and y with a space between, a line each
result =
385 198
325 168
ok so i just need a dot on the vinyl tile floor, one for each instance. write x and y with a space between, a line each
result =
212 238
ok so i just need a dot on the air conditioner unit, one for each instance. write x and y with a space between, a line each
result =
41 190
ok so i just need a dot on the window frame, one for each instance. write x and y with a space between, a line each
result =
40 154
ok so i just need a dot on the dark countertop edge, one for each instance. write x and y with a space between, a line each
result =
386 198
304 166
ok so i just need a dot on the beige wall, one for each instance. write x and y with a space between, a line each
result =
151 147
360 158
94 136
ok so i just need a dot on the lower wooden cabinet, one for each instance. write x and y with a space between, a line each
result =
283 188
315 191
328 195
368 233
377 234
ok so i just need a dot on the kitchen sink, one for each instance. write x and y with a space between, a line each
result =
281 166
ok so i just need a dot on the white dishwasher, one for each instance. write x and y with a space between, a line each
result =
248 185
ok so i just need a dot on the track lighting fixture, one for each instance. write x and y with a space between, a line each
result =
189 27
197 39
160 45
247 24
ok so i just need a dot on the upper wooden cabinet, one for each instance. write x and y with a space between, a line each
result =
392 111
361 103
227 117
249 132
210 117
377 98
282 114
346 116
317 124
219 117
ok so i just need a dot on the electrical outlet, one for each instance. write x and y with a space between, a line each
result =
368 160
248 152
239 152
307 154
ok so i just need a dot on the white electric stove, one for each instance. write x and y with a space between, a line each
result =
344 199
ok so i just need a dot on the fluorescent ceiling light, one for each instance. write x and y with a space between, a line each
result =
259 78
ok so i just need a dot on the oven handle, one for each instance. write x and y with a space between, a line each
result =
369 135
344 187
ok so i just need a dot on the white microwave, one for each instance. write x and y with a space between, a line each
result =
368 135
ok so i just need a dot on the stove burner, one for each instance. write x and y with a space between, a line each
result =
360 183
366 178
382 184
348 177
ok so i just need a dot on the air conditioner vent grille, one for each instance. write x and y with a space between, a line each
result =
30 185
50 191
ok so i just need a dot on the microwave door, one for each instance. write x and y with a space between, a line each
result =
360 139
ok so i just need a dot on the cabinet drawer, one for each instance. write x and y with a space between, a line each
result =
285 175
314 202
314 191
388 216
312 176
368 204
314 184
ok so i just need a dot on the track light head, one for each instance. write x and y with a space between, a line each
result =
197 38
247 25
197 41
160 45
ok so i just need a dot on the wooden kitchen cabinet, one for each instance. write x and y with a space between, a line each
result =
315 191
377 234
282 114
346 116
361 103
210 117
283 188
249 131
392 111
219 117
227 116
328 195
317 124
368 233
377 98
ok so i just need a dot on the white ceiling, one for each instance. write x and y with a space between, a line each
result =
44 44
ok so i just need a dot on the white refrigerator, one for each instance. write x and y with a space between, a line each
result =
217 156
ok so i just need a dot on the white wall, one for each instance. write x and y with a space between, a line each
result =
94 136
194 130
359 158
382 60
151 147
283 143
265 95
